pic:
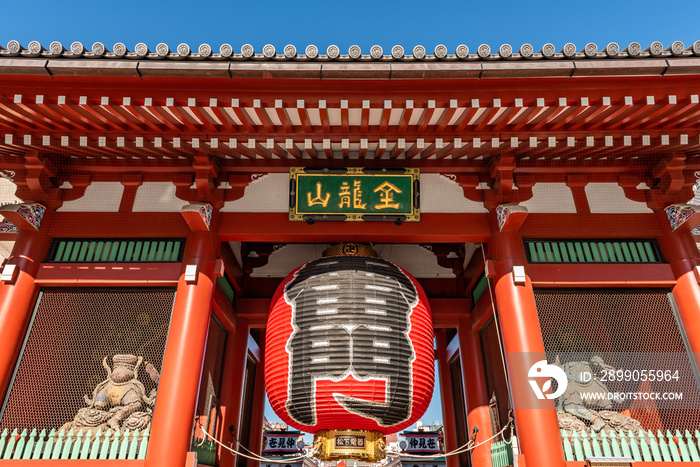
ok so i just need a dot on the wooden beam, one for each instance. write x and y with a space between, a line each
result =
276 228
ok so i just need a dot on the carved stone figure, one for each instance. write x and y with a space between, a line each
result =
579 407
120 401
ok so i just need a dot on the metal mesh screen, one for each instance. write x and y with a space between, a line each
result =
72 332
211 374
631 333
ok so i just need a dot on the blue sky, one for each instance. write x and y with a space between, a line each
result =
362 22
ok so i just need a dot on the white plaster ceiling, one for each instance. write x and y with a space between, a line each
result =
7 196
550 198
610 198
417 260
99 197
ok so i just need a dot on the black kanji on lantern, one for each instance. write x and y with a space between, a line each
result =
351 317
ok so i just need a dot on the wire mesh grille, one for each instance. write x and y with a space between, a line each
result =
625 331
211 373
73 331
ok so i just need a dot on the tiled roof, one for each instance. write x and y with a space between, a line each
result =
354 53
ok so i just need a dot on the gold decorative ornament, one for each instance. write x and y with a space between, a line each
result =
350 249
364 445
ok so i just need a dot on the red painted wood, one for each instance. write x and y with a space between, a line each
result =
108 274
173 417
449 419
276 227
591 226
117 225
680 251
258 412
17 299
78 462
475 392
232 379
224 311
538 429
601 275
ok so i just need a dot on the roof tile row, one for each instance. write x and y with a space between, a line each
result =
397 53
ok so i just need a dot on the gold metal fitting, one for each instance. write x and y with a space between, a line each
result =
364 445
350 249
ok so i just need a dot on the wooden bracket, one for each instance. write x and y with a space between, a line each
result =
671 187
503 181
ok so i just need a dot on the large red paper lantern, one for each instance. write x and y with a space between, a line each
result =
349 345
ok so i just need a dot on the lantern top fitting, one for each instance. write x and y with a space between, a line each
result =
350 249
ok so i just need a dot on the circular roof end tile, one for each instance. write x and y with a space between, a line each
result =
612 49
354 52
226 50
634 49
162 49
56 48
440 51
548 50
14 47
590 50
505 51
119 49
526 50
462 51
98 49
569 50
656 49
333 52
76 48
204 50
419 52
141 49
269 51
311 51
290 51
247 50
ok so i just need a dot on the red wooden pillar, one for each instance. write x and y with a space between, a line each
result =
537 428
258 412
232 388
173 416
448 415
17 299
475 392
679 250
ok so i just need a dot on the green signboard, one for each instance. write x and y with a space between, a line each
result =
354 194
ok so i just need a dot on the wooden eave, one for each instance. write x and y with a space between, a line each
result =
249 115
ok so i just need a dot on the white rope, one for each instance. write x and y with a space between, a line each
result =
464 448
256 458
498 330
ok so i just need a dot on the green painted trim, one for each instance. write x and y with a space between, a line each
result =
116 251
227 289
480 288
584 251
